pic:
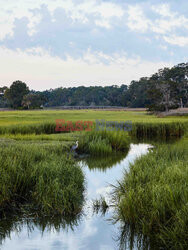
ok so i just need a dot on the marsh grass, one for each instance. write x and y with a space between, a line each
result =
37 170
45 127
45 177
36 128
100 206
41 137
103 143
153 197
44 122
159 129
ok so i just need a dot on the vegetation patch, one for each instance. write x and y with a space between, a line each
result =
159 129
153 197
100 206
101 143
48 179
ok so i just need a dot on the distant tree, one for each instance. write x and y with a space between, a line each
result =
162 91
136 96
31 101
16 93
179 75
2 90
3 101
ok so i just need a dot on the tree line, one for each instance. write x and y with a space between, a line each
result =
164 90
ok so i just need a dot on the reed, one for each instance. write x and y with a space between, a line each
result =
42 137
44 122
103 143
159 129
153 197
100 205
47 178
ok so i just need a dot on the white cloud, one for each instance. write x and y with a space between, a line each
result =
102 11
103 23
41 71
163 26
108 10
137 20
181 41
163 10
167 22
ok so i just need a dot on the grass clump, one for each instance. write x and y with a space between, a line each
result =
100 205
159 129
24 128
103 143
153 197
50 181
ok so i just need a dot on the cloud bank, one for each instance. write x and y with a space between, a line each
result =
79 42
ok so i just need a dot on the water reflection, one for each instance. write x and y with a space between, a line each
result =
86 231
128 238
103 163
17 222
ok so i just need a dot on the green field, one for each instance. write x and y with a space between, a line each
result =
9 118
44 122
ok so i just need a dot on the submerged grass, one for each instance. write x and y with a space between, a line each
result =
48 179
153 197
100 206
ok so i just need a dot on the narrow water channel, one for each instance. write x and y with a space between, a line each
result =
91 231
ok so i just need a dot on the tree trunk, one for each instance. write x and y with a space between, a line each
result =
181 103
166 103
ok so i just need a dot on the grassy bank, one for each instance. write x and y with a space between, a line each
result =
153 197
159 129
103 143
48 179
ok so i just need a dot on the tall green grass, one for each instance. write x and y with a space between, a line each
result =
159 129
44 122
103 143
45 177
36 128
42 137
153 197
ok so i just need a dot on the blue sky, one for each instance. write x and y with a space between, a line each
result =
65 43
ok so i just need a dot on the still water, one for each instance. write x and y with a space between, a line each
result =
90 231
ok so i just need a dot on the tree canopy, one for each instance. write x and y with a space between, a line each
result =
15 93
166 89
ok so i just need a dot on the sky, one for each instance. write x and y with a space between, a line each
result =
66 43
